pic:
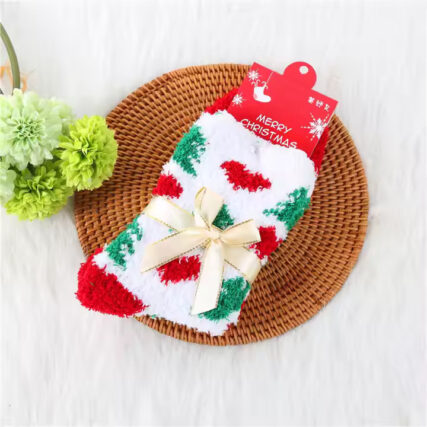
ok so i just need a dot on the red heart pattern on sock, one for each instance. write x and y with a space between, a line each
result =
269 242
184 268
168 185
241 178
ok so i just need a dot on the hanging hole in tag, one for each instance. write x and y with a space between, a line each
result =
300 73
303 69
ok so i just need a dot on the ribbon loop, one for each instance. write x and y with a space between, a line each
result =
198 231
242 234
169 214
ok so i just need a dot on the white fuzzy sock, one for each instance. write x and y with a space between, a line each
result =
258 180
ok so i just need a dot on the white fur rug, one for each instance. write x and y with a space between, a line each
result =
361 361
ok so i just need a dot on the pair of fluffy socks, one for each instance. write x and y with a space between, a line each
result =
258 180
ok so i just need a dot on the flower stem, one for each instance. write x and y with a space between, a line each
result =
12 57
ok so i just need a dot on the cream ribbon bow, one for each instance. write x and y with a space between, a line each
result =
196 230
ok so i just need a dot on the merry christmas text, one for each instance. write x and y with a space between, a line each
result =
270 129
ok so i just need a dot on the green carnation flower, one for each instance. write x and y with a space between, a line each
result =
30 127
7 179
39 192
88 153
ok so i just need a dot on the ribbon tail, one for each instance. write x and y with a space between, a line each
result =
171 247
210 279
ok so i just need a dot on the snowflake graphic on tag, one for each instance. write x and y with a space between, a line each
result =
316 127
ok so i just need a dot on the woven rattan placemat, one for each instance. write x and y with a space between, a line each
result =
306 271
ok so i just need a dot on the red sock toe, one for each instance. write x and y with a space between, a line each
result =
101 291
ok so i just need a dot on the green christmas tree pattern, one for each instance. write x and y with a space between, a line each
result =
189 150
292 210
232 295
124 243
223 219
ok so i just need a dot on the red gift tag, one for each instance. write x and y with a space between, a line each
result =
283 108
